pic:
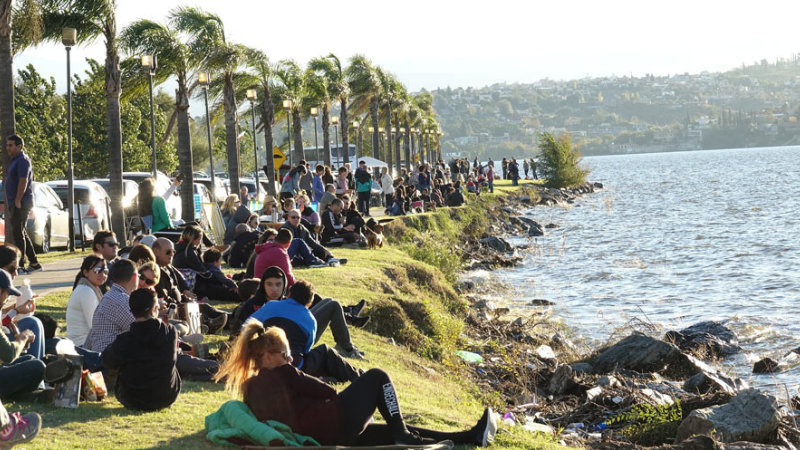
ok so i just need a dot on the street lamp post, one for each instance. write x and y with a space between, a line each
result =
286 105
381 132
405 145
203 80
334 122
68 38
314 113
149 63
252 96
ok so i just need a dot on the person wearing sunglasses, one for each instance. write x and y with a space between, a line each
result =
85 297
106 244
149 275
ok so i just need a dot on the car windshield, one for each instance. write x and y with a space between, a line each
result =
82 194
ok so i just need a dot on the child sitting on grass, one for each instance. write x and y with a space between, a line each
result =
212 258
145 357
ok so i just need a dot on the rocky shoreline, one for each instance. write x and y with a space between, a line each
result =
642 391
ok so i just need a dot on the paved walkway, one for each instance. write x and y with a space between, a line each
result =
55 276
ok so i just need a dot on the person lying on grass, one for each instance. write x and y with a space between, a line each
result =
145 357
259 366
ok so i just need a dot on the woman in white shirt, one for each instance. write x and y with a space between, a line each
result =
85 297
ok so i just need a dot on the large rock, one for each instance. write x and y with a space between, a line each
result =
750 416
496 243
707 338
563 380
645 354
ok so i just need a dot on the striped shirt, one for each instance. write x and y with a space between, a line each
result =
111 318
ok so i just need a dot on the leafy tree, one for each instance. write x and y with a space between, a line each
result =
41 119
339 89
560 162
263 76
366 88
292 77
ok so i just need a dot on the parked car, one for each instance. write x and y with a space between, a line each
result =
251 188
94 204
221 190
163 183
199 189
48 221
130 191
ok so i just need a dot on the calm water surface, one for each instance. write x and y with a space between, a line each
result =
677 238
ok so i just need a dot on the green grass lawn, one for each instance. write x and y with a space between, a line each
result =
407 299
53 256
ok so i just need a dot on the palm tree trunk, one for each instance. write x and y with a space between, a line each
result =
231 132
389 152
373 111
297 130
267 120
326 133
345 129
114 124
185 161
7 119
407 146
397 153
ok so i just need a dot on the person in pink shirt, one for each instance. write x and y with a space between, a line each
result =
275 254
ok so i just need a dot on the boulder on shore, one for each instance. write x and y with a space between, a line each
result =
497 244
750 416
645 354
707 338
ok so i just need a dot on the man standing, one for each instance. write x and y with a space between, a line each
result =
19 202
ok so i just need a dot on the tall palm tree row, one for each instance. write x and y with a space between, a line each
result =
292 77
318 90
365 86
263 75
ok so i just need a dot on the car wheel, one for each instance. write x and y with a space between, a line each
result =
45 247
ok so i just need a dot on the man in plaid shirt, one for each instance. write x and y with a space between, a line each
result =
113 316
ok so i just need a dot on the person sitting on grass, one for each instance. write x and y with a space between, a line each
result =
293 224
19 374
190 263
259 366
212 259
454 196
145 357
326 311
275 253
242 247
335 229
292 315
85 297
327 198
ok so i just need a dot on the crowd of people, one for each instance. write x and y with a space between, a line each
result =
138 314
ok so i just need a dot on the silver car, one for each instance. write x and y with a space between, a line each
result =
94 204
48 221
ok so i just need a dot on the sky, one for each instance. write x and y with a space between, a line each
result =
431 44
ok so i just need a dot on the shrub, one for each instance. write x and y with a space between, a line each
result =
560 162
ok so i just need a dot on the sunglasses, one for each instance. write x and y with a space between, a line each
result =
285 353
99 269
294 217
112 244
170 252
146 280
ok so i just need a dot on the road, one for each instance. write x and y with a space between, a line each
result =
55 276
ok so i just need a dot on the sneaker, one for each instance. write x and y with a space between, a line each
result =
21 429
34 268
318 265
353 353
337 261
486 428
358 322
22 271
356 309
192 339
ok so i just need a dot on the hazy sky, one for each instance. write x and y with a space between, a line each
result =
434 44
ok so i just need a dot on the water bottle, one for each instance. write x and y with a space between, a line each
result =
601 427
27 294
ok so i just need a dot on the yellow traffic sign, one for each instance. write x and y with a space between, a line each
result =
278 156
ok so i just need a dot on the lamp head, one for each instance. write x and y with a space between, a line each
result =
402 130
371 129
149 62
314 112
202 78
335 120
251 95
356 124
287 103
69 36
381 130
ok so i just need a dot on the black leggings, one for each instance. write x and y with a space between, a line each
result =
375 390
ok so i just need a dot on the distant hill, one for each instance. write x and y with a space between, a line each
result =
751 106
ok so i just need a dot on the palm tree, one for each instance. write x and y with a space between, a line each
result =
366 90
291 75
317 93
339 89
92 19
207 32
174 59
263 73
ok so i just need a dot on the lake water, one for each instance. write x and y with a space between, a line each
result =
673 239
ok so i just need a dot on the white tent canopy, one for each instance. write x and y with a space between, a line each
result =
372 162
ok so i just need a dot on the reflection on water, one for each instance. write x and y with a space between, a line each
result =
676 238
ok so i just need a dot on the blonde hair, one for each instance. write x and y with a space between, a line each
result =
152 266
252 343
230 203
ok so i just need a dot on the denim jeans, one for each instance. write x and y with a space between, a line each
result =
363 202
300 253
18 219
23 375
35 326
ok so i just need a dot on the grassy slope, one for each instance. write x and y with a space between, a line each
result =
409 300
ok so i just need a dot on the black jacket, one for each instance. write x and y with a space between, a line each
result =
240 216
254 303
171 285
243 247
188 257
145 357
